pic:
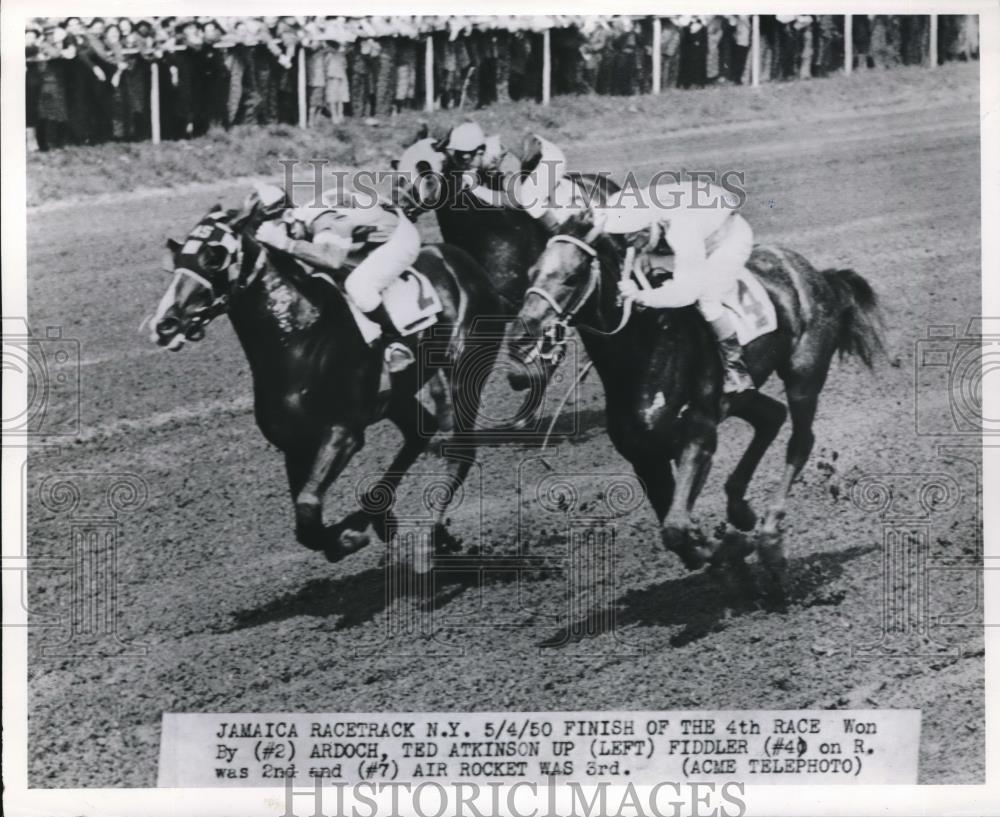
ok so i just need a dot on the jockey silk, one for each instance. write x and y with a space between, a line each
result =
711 242
332 229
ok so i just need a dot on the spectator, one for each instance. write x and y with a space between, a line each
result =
694 53
740 24
90 81
283 75
116 51
216 75
32 82
713 56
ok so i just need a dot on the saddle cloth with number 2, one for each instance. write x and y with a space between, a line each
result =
411 302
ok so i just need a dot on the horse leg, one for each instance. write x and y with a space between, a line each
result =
693 464
466 392
337 445
802 401
766 415
308 520
658 480
417 426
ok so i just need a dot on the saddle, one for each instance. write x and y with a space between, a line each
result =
752 309
411 302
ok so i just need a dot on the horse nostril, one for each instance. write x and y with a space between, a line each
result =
167 326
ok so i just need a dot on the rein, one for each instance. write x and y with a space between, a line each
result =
555 335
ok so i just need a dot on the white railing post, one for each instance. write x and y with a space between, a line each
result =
657 67
848 44
934 41
755 51
303 93
546 67
154 101
429 73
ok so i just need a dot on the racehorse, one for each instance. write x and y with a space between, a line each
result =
662 373
316 381
505 239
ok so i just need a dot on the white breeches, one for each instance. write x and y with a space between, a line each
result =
383 265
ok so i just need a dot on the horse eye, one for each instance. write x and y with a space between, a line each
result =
215 257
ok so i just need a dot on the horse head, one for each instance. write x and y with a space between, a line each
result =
564 281
204 266
418 183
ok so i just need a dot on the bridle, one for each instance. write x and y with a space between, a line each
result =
551 346
220 295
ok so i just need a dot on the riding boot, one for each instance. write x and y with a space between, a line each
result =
736 377
397 354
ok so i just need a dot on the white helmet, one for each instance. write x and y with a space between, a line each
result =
467 138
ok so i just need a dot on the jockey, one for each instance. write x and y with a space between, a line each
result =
710 242
340 237
542 189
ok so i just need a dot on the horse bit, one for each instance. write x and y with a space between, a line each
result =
551 346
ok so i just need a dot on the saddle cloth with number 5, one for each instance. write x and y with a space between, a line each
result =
752 308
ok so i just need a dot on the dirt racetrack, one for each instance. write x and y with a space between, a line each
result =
219 609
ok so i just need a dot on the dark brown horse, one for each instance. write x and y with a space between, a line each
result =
662 374
316 381
505 240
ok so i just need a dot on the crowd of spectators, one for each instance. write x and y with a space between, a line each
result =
89 80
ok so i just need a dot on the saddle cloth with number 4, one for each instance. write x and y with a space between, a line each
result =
751 307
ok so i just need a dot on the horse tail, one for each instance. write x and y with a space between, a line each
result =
861 327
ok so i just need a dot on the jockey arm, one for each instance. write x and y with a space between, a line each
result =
684 288
327 251
332 239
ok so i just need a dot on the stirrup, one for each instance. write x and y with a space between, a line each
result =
398 357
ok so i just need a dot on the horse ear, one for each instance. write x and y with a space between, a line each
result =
216 209
170 256
394 164
422 132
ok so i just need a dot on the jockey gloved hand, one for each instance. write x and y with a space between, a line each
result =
629 290
274 235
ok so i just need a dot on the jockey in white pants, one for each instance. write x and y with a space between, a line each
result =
710 241
543 190
339 237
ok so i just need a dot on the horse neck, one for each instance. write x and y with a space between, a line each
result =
615 356
260 319
505 242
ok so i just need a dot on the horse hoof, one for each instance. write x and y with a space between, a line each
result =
334 553
733 550
771 551
309 537
741 515
353 540
692 548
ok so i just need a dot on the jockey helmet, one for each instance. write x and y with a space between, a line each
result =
270 198
467 138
